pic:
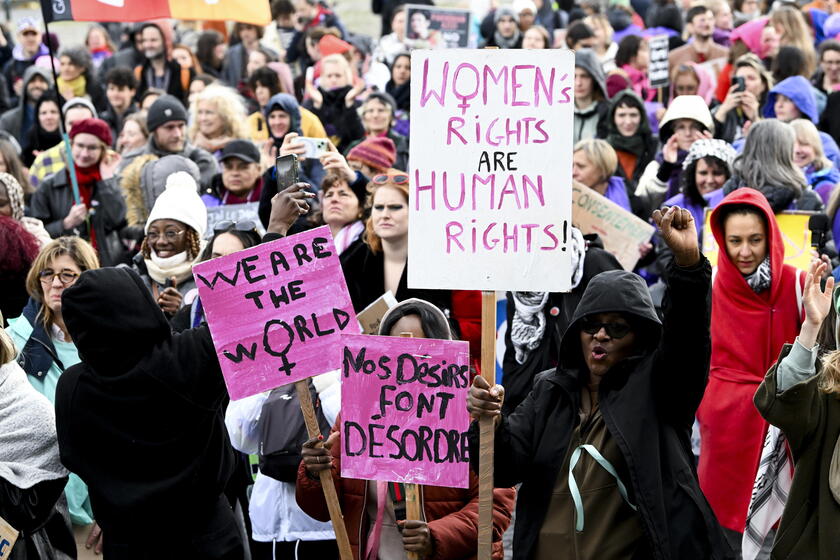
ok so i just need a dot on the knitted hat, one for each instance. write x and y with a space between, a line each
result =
180 201
15 193
520 6
379 153
78 102
505 11
616 82
167 108
711 147
330 44
97 127
27 23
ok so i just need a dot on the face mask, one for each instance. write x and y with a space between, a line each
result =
169 262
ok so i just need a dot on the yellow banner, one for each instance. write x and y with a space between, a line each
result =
254 12
795 233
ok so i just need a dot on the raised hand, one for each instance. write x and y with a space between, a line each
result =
676 225
815 299
287 206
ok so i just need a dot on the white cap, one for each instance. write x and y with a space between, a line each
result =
180 201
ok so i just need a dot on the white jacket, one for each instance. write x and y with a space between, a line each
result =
275 515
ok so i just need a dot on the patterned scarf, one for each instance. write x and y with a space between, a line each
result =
760 279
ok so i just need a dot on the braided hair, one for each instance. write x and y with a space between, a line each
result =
193 245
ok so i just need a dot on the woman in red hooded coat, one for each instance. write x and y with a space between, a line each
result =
756 308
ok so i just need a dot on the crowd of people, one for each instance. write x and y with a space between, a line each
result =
684 409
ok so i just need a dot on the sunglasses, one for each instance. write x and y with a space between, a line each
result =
396 178
613 330
227 225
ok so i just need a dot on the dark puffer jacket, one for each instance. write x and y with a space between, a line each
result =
648 403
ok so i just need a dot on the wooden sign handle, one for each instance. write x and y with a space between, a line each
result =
412 492
487 429
330 495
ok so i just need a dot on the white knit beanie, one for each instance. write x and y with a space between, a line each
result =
180 201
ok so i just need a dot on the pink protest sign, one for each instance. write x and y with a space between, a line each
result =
276 311
403 411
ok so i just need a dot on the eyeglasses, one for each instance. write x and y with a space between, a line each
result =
227 225
64 276
170 235
397 178
614 330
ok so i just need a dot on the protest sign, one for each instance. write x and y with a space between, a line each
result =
8 537
490 193
795 233
371 316
248 211
430 27
620 230
276 311
658 68
257 13
402 410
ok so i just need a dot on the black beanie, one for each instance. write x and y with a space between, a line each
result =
167 108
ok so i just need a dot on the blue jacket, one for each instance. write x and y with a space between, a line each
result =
798 90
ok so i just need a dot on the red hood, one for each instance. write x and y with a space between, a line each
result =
727 271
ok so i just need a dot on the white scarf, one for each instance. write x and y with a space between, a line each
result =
162 269
27 432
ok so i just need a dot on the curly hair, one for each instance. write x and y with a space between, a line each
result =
193 245
230 106
369 236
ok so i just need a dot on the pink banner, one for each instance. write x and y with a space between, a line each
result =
276 311
403 410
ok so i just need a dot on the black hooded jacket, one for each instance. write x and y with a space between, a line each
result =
518 379
140 419
648 403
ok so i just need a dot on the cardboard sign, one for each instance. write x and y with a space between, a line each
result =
371 316
403 417
430 27
621 231
8 538
234 213
658 68
490 179
276 311
795 233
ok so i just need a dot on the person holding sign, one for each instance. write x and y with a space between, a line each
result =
448 530
602 443
162 457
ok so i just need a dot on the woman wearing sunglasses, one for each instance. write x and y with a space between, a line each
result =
174 240
601 445
381 264
47 349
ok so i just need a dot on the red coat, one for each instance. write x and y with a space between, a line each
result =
452 513
748 331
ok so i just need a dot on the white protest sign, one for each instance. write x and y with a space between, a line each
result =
658 68
490 169
248 211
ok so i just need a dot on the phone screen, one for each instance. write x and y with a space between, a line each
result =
287 171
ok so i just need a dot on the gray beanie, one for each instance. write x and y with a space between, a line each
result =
167 108
505 11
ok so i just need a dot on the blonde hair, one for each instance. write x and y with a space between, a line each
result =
795 33
74 247
600 154
807 133
7 347
369 236
829 382
230 106
601 21
340 61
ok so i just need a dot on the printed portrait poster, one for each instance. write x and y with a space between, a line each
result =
490 191
429 27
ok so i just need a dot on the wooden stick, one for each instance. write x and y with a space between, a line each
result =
412 493
330 495
488 429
